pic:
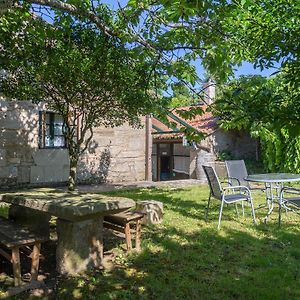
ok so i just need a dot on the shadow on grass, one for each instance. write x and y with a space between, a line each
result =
187 258
173 200
205 264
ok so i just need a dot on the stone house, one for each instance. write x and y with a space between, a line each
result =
33 150
174 158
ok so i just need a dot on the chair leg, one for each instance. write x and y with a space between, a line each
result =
128 237
220 216
207 208
253 212
138 230
237 211
243 210
15 257
279 216
35 261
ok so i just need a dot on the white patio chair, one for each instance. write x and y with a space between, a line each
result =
289 200
237 171
227 195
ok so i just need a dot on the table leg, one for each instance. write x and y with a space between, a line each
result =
80 245
273 196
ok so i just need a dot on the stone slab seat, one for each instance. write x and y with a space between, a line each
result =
12 238
126 222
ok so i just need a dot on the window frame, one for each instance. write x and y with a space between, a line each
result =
43 130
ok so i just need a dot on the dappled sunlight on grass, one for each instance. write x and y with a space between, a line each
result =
186 257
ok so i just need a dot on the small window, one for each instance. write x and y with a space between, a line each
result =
51 130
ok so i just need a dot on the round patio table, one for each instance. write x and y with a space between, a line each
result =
273 184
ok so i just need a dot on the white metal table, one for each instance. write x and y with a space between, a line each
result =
273 184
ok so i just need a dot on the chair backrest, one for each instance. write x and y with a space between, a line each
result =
237 169
213 182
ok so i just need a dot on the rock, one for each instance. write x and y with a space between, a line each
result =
153 211
80 245
36 221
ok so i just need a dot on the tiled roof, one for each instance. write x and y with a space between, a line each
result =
205 123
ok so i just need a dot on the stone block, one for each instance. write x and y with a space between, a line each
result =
37 174
153 211
3 161
36 221
14 160
8 172
50 157
80 245
55 173
24 174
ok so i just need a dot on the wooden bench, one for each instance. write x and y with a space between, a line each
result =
12 238
127 222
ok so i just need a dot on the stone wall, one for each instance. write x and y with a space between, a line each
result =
115 154
236 143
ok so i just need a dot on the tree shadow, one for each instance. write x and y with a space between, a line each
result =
93 168
204 264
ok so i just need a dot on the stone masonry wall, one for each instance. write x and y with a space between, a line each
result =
115 154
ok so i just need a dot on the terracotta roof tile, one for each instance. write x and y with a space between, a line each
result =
205 123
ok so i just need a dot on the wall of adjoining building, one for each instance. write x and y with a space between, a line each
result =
236 144
115 154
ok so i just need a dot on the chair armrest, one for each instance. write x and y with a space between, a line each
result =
240 187
289 190
229 179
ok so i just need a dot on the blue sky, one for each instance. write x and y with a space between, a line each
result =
245 69
248 69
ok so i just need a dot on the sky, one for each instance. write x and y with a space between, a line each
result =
248 69
245 69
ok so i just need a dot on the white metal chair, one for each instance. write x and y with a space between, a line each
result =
227 195
237 171
289 203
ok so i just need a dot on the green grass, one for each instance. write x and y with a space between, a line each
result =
188 258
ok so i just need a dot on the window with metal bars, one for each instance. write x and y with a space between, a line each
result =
51 130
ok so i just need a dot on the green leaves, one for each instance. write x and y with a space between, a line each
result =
269 111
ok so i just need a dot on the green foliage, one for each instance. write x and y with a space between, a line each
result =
224 155
87 77
267 109
182 96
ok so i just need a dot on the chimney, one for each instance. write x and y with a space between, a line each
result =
209 89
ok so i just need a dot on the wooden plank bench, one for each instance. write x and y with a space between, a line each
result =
12 238
126 222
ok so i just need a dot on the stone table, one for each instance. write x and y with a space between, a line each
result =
79 222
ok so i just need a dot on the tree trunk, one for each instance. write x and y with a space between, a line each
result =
73 172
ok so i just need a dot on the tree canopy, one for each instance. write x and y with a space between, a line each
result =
169 36
172 34
268 110
87 77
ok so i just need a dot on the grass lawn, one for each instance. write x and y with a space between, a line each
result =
188 258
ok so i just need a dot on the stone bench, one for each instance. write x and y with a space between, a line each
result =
127 222
12 238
